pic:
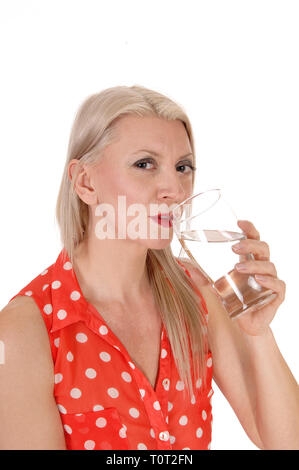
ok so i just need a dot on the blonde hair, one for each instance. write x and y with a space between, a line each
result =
180 307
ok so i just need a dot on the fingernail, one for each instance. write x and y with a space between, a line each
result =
259 277
241 267
237 247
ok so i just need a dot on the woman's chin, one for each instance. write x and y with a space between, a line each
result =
158 244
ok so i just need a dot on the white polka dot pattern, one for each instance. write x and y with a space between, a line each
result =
61 314
141 446
58 378
67 266
134 412
68 429
48 309
56 284
98 408
70 356
81 337
75 295
104 399
183 420
113 392
76 393
156 405
122 433
105 356
90 373
126 377
89 445
101 422
61 409
103 330
180 385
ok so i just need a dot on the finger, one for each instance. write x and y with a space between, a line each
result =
259 249
249 229
275 284
257 267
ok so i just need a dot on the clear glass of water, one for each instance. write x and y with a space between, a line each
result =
206 227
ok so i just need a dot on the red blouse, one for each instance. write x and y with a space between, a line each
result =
104 400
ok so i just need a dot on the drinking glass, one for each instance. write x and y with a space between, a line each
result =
206 225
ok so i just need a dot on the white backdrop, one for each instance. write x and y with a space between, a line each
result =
232 64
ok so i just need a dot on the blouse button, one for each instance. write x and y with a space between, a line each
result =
166 383
164 436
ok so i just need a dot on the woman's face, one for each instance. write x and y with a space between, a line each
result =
149 164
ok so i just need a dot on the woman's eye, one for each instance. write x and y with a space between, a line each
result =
142 165
189 166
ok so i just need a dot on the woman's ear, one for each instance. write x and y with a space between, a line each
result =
83 182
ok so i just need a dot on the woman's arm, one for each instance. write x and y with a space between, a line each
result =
232 369
276 393
29 417
253 376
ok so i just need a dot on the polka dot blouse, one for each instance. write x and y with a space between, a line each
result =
104 400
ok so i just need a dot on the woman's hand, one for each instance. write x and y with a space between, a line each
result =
257 322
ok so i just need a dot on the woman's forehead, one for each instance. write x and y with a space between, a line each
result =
151 132
132 121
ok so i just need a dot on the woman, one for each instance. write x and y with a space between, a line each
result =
110 347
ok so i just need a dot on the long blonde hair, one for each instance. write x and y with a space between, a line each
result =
180 307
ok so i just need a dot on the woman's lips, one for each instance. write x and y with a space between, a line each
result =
165 221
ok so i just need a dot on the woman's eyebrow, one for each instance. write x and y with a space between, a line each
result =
190 154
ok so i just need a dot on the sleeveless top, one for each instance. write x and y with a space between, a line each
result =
104 400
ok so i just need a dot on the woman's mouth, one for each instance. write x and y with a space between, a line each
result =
163 219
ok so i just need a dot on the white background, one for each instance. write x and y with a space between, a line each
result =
233 65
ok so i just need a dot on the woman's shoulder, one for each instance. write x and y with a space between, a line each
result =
20 308
27 380
192 270
206 289
24 333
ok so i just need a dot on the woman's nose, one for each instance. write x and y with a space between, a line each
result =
173 189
